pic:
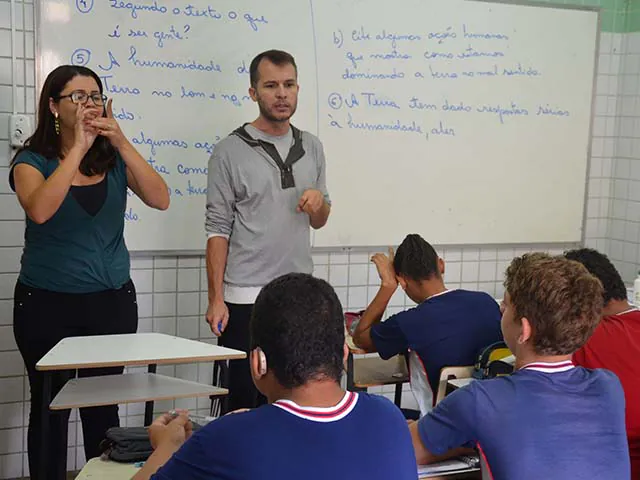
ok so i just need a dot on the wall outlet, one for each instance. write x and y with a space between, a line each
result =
19 129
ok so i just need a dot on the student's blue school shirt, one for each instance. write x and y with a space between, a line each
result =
364 436
448 329
546 421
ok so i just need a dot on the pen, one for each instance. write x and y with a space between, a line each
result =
199 419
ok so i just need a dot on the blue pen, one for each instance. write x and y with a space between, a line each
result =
220 326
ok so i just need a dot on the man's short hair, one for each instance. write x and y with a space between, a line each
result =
298 323
559 297
277 57
416 259
601 267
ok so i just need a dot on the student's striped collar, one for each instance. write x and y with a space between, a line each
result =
321 414
549 367
441 293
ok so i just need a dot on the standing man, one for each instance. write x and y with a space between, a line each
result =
266 186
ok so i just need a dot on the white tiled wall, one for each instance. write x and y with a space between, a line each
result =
624 192
172 290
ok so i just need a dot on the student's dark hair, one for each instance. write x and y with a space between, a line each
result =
44 141
298 323
601 267
277 57
559 297
416 259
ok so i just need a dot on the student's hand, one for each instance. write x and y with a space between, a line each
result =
217 316
168 429
310 202
384 265
108 127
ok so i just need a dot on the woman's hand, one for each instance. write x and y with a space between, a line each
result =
85 134
108 127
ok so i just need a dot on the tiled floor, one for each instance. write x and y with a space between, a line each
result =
70 476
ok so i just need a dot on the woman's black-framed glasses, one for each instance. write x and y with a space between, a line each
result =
82 97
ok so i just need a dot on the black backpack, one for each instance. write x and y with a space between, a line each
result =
129 444
490 363
126 444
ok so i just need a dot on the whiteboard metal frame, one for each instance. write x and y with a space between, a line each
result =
527 3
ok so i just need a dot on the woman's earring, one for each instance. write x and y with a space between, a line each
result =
56 123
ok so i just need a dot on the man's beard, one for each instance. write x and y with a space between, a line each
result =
272 118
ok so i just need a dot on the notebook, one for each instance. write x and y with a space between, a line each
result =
351 320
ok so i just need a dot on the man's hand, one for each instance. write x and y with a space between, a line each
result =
217 316
310 202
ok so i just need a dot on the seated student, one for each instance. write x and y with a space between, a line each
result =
446 328
549 419
615 345
312 428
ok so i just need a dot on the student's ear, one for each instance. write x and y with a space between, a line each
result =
441 266
525 331
402 281
253 94
345 353
253 364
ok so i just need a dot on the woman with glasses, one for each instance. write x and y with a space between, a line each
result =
71 179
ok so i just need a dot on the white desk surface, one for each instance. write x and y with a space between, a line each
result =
460 382
131 349
128 388
97 469
374 371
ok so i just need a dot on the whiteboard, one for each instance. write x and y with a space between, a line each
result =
467 122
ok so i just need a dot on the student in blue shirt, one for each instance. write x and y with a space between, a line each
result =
550 419
446 328
312 428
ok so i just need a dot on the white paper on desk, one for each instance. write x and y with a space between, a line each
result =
452 465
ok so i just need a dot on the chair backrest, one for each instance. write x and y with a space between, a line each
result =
448 373
419 383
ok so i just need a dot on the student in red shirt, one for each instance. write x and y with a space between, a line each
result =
615 345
